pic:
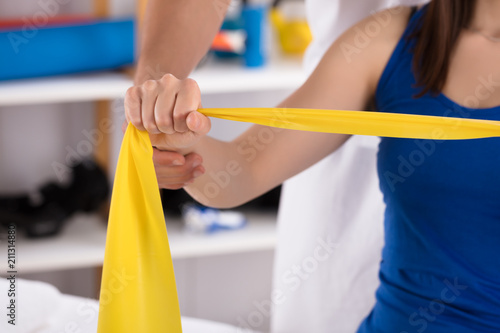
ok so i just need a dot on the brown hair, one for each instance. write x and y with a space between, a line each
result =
436 36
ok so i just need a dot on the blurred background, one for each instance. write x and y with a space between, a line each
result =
64 68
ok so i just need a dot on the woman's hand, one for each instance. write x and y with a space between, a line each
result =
174 171
166 108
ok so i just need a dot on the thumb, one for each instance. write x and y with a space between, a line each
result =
198 123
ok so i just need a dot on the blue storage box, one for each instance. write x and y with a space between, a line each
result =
100 45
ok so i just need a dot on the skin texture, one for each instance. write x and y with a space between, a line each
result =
176 34
165 107
234 173
475 60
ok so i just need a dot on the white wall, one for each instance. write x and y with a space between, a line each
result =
33 137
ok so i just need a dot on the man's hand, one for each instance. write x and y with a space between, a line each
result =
166 108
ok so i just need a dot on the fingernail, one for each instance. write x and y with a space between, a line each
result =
177 162
196 122
197 174
196 163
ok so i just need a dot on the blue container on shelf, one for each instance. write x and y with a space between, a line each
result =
100 45
254 20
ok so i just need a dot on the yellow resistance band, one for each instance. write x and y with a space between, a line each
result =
395 125
138 290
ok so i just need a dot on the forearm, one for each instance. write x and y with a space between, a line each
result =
175 35
261 158
227 181
258 160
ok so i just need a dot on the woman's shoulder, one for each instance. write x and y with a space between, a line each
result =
371 42
378 30
384 25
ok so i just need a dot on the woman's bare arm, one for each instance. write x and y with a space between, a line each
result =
240 170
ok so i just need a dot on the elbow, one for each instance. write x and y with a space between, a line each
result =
216 197
213 196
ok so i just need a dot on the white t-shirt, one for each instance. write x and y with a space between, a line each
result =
328 19
330 223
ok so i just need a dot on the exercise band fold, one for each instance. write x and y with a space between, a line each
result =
138 290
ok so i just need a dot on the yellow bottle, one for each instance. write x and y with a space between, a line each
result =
294 34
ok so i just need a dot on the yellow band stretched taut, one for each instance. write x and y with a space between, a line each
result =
363 122
138 290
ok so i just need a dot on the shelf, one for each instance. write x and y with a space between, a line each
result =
213 78
61 89
258 235
81 244
223 77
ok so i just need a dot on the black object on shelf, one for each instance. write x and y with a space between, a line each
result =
45 212
174 200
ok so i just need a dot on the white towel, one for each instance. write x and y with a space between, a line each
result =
41 308
34 305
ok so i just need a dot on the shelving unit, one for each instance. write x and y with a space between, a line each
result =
214 77
84 237
81 244
82 241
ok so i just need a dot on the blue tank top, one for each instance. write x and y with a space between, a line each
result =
440 268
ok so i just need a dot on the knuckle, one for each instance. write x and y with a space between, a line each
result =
179 116
150 126
168 79
132 97
190 84
163 121
184 171
150 85
135 120
131 93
